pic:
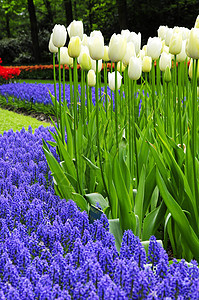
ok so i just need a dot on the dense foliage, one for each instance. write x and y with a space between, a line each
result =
49 250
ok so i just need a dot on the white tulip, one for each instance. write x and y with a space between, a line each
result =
111 80
162 30
168 36
154 46
117 47
93 65
135 68
91 77
136 39
51 46
59 35
96 47
130 51
182 55
76 29
165 60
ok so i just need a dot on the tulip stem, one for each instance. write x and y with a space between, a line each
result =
60 103
105 85
55 90
194 130
71 86
145 94
116 108
174 95
179 103
153 93
97 125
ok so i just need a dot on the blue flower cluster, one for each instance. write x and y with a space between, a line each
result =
49 250
38 92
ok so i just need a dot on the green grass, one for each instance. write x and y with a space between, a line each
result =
11 120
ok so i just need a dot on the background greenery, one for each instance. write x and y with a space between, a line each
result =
26 25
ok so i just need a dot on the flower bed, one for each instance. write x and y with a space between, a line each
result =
49 250
7 73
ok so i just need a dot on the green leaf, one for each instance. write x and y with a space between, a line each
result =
180 218
95 198
127 216
115 229
80 201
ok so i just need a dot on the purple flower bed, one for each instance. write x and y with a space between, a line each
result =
49 250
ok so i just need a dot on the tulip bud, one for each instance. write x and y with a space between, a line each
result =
96 47
175 44
192 47
91 77
182 55
74 47
125 33
76 29
85 63
191 69
59 35
146 64
154 46
167 75
136 39
197 22
93 65
51 46
117 47
130 51
85 40
168 36
135 68
120 66
65 59
165 60
111 80
162 30
105 57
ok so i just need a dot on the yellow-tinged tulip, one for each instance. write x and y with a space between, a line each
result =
175 44
65 59
105 57
76 29
117 47
111 80
59 35
135 68
74 46
192 47
96 47
191 69
51 46
85 62
130 51
142 54
182 55
167 75
122 65
154 46
165 60
91 78
146 64
85 40
197 22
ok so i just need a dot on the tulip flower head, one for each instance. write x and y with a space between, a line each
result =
168 36
76 29
51 46
192 46
146 64
130 51
154 46
135 68
105 57
91 77
197 22
162 30
85 62
111 80
59 35
191 69
117 47
65 59
74 47
96 47
165 60
182 55
136 40
120 66
175 44
167 75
